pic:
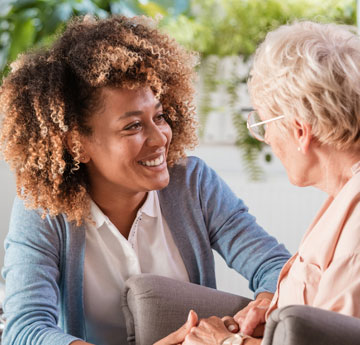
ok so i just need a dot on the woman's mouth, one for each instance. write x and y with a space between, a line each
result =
153 162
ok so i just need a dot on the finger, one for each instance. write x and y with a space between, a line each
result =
192 339
262 303
179 335
209 331
259 331
230 324
254 317
239 317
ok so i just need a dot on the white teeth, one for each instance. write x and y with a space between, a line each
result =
154 162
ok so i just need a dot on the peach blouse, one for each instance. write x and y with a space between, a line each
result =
325 272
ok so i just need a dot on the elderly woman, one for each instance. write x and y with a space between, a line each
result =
95 128
305 87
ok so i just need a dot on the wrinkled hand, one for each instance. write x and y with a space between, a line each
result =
251 319
210 331
178 336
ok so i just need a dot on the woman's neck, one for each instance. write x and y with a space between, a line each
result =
334 169
121 208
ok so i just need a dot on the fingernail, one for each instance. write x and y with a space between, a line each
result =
189 316
231 328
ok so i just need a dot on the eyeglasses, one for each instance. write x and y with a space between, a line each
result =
257 127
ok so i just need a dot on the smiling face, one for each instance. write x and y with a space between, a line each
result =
127 150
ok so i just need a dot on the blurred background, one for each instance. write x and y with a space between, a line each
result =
225 33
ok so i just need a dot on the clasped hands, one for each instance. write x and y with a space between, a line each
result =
213 330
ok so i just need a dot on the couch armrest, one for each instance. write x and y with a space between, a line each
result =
305 325
155 306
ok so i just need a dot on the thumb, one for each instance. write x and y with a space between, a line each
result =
192 319
179 335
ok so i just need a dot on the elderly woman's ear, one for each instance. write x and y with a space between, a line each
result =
303 135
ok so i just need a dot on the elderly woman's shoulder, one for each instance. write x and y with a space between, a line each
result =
349 238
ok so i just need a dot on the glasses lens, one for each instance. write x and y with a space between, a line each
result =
258 131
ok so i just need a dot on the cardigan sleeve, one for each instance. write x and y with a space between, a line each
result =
32 274
236 236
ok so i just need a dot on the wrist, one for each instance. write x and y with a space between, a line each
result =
265 295
235 339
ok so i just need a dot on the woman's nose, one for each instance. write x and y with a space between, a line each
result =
156 136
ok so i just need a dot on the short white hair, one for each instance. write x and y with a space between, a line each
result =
311 71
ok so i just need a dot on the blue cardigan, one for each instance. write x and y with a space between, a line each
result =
44 258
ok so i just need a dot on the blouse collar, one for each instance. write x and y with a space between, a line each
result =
355 168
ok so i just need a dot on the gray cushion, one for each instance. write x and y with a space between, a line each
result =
305 325
156 306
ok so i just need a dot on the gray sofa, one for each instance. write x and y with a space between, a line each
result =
155 306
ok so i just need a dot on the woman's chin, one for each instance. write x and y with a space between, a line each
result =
160 184
297 181
301 183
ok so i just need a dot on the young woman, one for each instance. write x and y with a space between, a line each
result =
95 128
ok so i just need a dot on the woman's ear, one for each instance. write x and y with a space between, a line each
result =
303 135
74 146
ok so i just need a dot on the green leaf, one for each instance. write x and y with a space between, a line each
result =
63 11
173 7
18 6
126 8
84 7
152 9
55 16
21 38
4 51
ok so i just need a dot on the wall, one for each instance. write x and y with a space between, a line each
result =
7 194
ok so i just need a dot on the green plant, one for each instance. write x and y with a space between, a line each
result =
223 28
25 24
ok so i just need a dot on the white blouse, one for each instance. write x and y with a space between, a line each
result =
110 259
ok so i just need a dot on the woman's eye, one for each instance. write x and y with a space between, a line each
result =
160 117
133 126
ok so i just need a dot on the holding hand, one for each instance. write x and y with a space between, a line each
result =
213 331
210 331
178 336
251 319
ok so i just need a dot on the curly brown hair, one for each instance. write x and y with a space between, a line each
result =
51 94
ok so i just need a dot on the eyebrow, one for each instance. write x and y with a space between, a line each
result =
136 112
